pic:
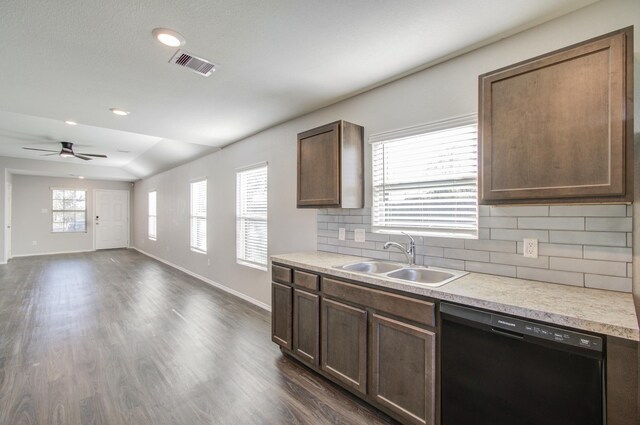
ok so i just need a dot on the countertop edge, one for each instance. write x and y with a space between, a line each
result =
553 318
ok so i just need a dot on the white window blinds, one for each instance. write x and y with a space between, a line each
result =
251 215
425 179
199 216
68 210
153 216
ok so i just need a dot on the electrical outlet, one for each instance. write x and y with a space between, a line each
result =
208 261
342 233
531 248
34 243
359 235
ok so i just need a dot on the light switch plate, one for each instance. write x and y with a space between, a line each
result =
342 233
359 235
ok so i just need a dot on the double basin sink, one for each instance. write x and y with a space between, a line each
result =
423 275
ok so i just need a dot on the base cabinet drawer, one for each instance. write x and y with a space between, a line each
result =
403 369
306 326
281 314
344 343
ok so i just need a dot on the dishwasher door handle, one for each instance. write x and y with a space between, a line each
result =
507 333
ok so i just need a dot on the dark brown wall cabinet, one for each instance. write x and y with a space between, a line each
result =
380 346
331 166
559 127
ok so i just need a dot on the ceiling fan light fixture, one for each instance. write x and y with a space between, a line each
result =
66 155
119 111
69 122
168 37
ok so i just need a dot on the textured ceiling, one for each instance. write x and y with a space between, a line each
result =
277 59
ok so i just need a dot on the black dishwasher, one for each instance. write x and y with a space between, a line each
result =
498 370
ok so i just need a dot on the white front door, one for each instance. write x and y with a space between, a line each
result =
111 218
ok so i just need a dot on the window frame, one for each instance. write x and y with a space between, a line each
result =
406 134
240 218
54 211
153 237
193 216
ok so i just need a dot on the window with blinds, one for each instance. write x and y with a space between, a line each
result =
68 211
251 215
153 216
425 179
199 216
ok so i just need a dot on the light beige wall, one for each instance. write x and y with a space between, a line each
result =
443 91
31 215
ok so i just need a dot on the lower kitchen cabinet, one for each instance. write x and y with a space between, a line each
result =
306 326
281 314
344 343
403 369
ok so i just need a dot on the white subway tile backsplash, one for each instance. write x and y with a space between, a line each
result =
490 268
464 254
554 276
447 263
349 251
549 223
607 253
588 238
490 245
501 222
609 224
622 284
443 242
518 235
526 211
372 253
484 210
432 251
585 245
609 268
519 260
589 210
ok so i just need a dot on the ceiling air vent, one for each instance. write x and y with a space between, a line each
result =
194 63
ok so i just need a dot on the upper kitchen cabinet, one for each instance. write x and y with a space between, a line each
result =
331 166
559 128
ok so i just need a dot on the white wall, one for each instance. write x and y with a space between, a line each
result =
443 91
31 214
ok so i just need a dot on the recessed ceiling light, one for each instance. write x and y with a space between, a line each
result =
71 122
168 37
119 111
80 177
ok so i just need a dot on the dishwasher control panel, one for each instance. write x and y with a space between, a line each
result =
550 333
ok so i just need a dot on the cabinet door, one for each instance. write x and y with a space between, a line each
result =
306 326
281 313
344 343
319 167
403 369
556 128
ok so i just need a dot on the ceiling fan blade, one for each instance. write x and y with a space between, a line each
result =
94 155
43 150
50 154
86 158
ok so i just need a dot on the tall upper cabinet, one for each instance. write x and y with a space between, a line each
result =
331 166
559 128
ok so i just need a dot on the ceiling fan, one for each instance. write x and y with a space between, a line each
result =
67 152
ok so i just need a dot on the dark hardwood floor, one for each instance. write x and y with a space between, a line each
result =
114 337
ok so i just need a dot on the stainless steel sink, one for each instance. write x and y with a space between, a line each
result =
371 267
421 275
426 276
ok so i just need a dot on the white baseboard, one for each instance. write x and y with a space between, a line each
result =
209 281
52 253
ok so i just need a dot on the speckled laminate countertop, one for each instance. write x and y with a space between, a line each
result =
604 312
